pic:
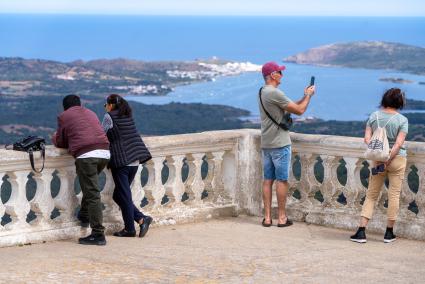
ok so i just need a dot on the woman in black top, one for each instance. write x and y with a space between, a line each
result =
127 152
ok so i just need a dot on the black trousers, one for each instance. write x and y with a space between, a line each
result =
88 170
123 178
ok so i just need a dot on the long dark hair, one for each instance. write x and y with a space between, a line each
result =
120 104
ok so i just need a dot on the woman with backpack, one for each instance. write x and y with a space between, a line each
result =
127 152
387 121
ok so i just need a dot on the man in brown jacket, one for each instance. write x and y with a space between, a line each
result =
80 132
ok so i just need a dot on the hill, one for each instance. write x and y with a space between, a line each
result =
37 116
365 54
38 77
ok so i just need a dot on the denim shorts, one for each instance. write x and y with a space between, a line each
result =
277 163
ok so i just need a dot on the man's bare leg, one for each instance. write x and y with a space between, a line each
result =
281 194
267 199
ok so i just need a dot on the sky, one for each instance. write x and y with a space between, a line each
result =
220 7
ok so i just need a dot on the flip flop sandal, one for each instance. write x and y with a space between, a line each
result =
287 224
265 224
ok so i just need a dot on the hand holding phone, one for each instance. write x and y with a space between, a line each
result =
378 169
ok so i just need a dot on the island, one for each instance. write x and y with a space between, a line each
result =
396 80
365 54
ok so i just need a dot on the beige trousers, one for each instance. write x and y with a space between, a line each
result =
395 173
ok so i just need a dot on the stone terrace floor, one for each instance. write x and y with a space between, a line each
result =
232 250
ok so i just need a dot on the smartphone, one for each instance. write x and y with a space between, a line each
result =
312 81
378 169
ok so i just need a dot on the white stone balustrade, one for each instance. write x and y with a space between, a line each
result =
340 204
40 216
205 175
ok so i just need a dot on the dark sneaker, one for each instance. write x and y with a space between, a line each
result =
359 237
84 221
93 239
147 220
124 233
389 237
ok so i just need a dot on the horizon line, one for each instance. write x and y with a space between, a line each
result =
208 15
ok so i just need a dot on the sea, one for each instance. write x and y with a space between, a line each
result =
342 93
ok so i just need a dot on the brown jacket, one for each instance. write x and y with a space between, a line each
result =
79 131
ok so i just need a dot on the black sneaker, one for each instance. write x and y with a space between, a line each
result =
84 221
359 237
124 233
93 239
389 237
147 220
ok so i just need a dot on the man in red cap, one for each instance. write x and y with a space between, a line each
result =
275 107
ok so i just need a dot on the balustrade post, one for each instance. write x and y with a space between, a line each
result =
406 195
330 183
420 196
111 212
2 207
194 183
149 187
215 178
353 188
155 189
18 206
174 187
43 203
66 201
136 188
308 179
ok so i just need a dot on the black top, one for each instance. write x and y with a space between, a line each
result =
126 145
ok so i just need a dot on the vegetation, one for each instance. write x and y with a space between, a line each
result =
356 128
366 54
414 105
37 116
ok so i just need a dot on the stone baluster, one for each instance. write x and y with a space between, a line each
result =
154 189
136 188
42 204
66 201
214 181
420 196
353 188
174 187
194 184
219 193
330 185
17 206
111 212
308 180
149 187
293 182
2 207
406 195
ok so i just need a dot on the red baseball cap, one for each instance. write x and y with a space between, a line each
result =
271 67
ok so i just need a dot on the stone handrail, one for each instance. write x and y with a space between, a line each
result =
208 161
337 202
204 175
